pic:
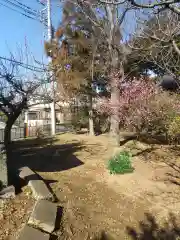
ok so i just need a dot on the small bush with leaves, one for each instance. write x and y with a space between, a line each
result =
120 163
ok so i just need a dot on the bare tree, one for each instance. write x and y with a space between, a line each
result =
158 6
15 91
158 42
24 82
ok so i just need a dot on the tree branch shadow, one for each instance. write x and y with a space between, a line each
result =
174 175
145 151
150 230
144 138
41 156
103 236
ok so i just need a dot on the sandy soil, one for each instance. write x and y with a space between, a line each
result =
96 205
95 201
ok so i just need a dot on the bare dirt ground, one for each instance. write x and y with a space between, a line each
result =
96 205
14 214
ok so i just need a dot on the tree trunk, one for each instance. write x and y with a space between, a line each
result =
116 79
114 68
91 120
7 132
114 129
11 120
7 173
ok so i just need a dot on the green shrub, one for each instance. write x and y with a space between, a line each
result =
120 163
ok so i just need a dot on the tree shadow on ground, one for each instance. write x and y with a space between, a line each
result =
174 175
31 142
151 230
103 236
145 138
41 156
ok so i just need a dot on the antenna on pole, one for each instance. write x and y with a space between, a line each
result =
46 17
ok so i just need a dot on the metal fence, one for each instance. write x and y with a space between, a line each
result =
34 131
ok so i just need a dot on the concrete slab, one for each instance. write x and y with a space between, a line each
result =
27 174
40 190
30 233
44 216
3 170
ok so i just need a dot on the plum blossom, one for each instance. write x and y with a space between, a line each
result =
141 105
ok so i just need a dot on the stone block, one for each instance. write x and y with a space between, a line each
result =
3 170
40 190
44 216
27 174
29 233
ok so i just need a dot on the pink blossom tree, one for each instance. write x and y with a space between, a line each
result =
142 106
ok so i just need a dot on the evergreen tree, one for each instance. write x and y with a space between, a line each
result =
75 53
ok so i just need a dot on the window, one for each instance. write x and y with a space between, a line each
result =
32 116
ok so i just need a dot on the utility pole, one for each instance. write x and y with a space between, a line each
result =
53 114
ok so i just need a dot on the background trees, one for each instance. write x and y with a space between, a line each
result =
78 70
96 44
96 28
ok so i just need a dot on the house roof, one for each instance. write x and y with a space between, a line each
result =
42 106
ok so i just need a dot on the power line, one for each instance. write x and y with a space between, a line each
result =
24 65
23 10
18 12
42 3
35 13
25 6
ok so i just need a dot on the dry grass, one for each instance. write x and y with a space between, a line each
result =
94 201
14 214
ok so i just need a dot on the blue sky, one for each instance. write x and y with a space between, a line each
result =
16 29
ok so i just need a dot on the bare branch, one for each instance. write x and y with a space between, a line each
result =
114 2
162 5
174 8
153 5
